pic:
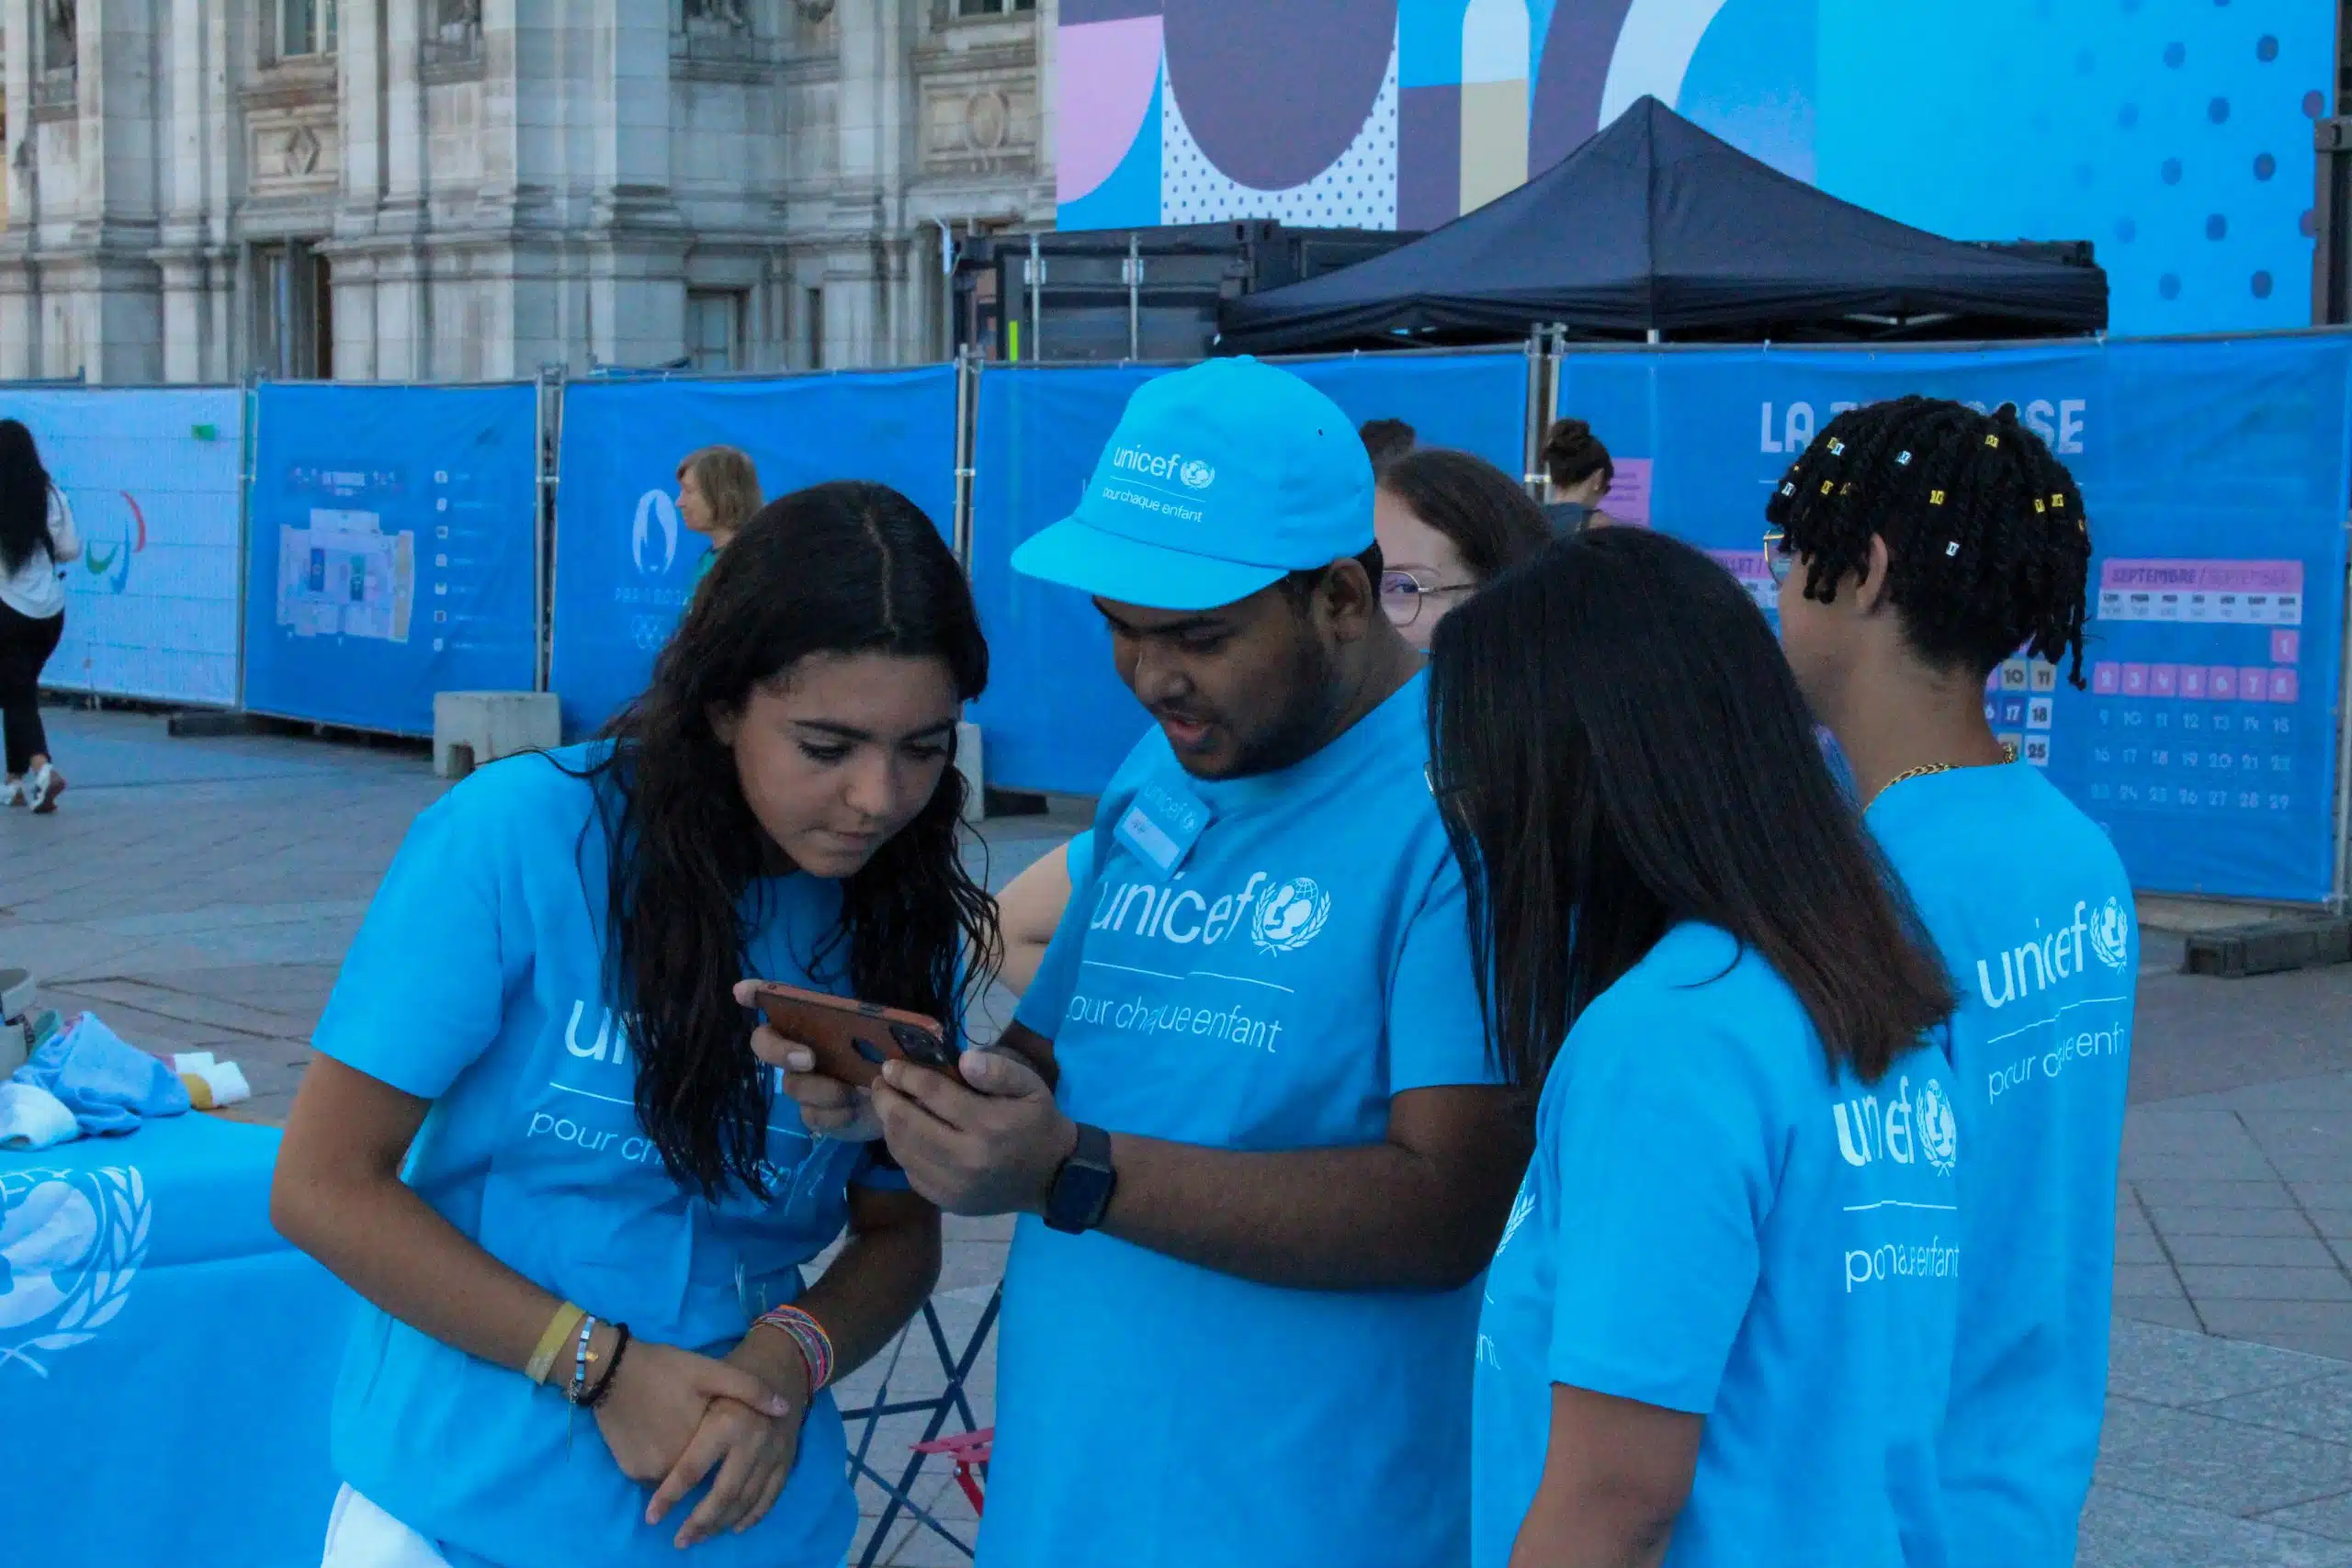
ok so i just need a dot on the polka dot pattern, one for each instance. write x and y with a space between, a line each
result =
1358 190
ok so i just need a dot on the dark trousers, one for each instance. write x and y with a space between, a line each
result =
24 646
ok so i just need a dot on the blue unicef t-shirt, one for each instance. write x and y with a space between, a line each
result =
2031 905
1299 958
477 982
1712 1223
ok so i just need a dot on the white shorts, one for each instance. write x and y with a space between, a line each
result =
361 1535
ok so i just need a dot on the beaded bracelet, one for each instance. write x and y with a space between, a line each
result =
603 1390
580 1361
816 1344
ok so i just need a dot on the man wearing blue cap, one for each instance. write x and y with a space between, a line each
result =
1240 1310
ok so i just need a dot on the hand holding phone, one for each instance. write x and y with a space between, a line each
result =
849 1038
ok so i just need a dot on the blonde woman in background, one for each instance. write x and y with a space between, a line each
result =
718 490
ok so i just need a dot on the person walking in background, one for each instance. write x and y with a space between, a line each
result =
1717 1327
533 1087
1579 469
37 537
1445 522
1245 1113
1386 440
1918 545
718 490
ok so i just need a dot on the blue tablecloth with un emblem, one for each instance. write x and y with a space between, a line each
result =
165 1359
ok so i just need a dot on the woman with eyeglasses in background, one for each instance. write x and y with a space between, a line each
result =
1446 522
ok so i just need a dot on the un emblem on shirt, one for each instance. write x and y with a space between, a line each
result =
1939 1129
1287 918
2112 934
71 1242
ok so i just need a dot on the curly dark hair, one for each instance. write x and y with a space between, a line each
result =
1988 546
843 567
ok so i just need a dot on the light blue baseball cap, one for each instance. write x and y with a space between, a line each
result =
1220 481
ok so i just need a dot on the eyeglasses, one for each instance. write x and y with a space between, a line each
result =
1778 558
1401 593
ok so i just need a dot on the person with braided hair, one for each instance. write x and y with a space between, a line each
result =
1919 546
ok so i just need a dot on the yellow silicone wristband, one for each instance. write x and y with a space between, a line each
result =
552 1341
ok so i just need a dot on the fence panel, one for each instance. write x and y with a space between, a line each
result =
625 566
390 551
153 474
2216 474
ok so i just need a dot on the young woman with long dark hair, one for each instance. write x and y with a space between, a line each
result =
1919 545
1717 1327
535 1137
37 537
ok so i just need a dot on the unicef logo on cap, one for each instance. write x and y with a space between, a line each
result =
1289 917
71 1242
1197 475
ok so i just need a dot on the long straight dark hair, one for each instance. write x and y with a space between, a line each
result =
1618 746
846 568
24 498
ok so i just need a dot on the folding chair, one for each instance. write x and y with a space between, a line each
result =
950 1401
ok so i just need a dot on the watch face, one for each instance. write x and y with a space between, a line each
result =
1080 1195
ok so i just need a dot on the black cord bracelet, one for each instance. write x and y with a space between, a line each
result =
595 1398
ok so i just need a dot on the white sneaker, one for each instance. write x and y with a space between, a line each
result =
42 788
12 791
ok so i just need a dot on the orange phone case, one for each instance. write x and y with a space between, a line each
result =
852 1039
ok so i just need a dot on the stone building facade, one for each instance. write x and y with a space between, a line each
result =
457 191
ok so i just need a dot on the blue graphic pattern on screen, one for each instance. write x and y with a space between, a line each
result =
625 566
2177 136
2215 476
1056 716
390 555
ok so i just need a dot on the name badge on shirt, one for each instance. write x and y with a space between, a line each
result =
1161 825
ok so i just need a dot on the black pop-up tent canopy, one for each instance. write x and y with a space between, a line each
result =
1656 225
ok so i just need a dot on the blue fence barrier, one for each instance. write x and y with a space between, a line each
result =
625 565
2217 476
391 549
1056 716
153 474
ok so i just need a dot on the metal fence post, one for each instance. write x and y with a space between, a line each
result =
543 544
248 465
2340 893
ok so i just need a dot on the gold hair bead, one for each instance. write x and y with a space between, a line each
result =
1837 448
2059 501
1935 498
1846 488
2037 507
1992 441
1829 485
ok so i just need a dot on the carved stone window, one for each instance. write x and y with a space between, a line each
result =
301 29
452 50
55 69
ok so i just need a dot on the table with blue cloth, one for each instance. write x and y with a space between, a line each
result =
166 1360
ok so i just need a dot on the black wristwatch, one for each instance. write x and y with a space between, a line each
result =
1082 1186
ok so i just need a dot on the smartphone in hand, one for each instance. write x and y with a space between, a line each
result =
851 1039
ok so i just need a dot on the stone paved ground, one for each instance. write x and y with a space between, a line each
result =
201 894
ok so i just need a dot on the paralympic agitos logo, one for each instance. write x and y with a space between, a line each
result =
112 567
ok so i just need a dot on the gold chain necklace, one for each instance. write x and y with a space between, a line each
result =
1908 774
